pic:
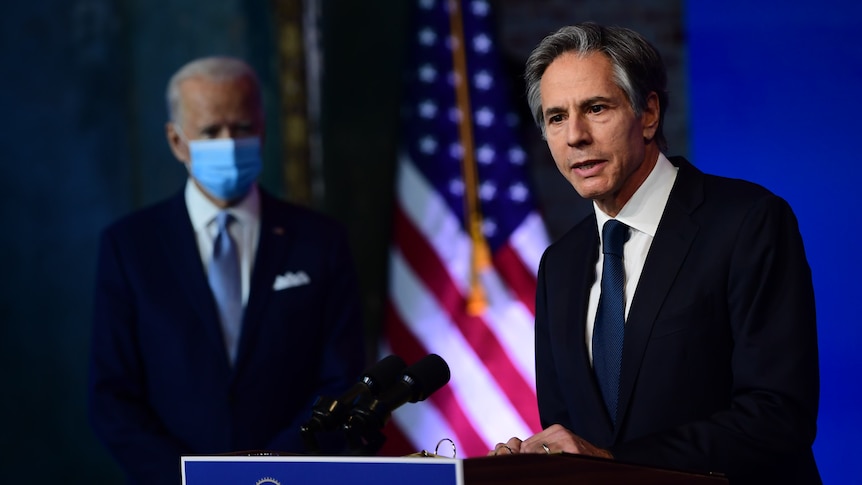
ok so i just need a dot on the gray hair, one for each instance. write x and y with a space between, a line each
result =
214 68
637 65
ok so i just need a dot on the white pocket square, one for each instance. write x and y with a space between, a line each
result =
290 279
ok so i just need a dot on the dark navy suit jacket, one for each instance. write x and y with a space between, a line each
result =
161 384
720 365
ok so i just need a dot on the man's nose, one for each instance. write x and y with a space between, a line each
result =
225 132
577 131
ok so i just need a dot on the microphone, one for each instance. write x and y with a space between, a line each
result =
329 414
419 381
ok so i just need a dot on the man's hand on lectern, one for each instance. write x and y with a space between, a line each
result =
554 439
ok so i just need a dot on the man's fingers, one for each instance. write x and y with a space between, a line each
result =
510 447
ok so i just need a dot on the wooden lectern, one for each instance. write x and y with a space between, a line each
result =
567 469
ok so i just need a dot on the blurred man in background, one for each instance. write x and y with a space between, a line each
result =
222 312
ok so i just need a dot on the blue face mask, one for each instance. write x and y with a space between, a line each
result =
226 167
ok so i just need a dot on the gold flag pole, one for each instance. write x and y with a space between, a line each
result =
481 255
294 135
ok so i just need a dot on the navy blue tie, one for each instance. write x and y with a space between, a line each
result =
610 317
226 285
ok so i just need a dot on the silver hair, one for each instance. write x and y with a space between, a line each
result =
637 65
216 68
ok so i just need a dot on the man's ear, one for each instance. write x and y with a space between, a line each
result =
651 116
179 147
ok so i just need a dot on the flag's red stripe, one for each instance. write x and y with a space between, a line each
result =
427 266
403 342
521 280
469 441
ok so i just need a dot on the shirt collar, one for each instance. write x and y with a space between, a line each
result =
202 211
643 211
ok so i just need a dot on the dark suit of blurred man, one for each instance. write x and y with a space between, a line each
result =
171 374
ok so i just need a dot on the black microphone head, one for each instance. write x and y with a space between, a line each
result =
384 373
327 413
419 381
426 376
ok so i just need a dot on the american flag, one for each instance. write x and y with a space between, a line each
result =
436 262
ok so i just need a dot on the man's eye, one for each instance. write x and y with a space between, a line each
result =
209 133
555 119
596 108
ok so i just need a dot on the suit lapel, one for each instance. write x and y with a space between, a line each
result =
181 251
602 427
268 260
571 330
674 237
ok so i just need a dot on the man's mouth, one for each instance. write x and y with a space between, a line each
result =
586 165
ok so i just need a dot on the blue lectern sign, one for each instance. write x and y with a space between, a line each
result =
305 470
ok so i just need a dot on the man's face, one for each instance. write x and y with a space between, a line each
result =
597 142
208 110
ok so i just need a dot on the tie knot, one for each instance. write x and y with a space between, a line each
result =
223 220
614 235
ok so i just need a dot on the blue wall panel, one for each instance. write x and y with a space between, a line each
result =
774 98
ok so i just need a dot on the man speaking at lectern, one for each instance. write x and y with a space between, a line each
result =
675 327
222 312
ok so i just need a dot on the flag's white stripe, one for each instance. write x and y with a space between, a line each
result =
529 241
421 423
508 319
430 214
471 380
512 323
482 400
424 425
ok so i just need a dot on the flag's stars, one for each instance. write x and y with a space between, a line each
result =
481 44
454 115
480 8
484 116
427 73
489 227
483 80
456 187
427 109
427 145
517 155
453 78
485 154
427 36
456 151
487 190
518 192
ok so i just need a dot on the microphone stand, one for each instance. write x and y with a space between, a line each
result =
363 439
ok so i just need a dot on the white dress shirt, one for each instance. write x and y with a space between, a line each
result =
244 230
642 214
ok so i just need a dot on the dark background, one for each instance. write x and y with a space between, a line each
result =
767 92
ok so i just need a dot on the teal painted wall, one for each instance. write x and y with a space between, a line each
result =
82 142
